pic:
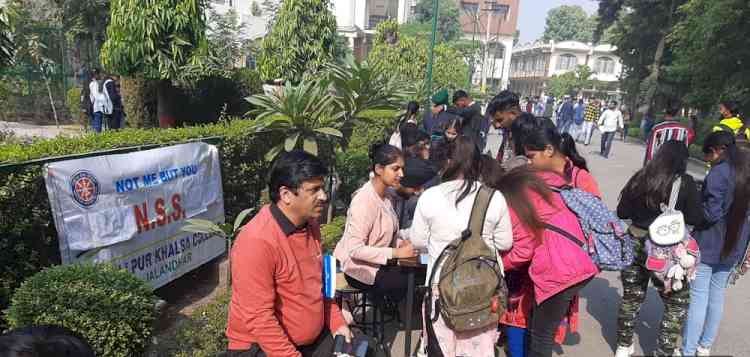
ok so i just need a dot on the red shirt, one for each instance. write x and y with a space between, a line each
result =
277 286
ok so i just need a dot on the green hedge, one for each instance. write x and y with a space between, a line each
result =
29 237
112 309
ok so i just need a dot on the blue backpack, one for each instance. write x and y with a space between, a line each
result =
607 240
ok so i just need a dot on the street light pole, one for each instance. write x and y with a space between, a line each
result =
431 57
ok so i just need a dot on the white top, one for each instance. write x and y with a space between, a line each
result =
100 100
438 221
610 121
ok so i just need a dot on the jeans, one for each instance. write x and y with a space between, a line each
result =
625 128
546 318
607 139
588 131
322 347
517 341
564 126
706 307
96 122
390 281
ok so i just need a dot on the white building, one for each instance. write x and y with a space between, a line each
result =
255 23
358 19
534 64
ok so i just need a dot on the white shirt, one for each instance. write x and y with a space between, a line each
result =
610 121
100 100
438 221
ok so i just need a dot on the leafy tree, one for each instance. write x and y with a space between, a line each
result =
449 25
163 40
640 29
571 83
710 52
226 36
301 41
7 47
271 9
568 23
405 58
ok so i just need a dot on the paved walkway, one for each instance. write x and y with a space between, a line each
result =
601 298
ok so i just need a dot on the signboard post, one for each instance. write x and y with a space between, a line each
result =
128 209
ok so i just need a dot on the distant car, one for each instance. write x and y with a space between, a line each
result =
665 131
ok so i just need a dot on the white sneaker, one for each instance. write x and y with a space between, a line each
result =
702 351
625 351
677 353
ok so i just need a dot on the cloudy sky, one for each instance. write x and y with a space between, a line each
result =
534 12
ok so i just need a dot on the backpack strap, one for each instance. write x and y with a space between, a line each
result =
565 234
675 192
478 213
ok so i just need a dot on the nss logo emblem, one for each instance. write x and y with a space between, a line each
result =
85 188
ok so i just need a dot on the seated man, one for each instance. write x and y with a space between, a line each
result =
277 307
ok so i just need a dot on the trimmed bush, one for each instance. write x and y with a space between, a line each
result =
109 307
139 100
203 334
73 103
331 233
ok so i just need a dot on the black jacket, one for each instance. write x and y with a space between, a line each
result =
688 202
472 122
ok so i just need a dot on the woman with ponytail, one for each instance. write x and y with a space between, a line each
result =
723 239
547 150
372 226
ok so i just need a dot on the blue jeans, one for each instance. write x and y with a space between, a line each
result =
607 139
96 122
706 307
517 341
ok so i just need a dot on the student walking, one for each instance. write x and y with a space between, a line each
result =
441 216
640 202
722 239
609 123
590 117
370 236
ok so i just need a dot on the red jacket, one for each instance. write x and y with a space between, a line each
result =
277 281
541 269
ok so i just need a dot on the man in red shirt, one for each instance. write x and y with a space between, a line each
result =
277 307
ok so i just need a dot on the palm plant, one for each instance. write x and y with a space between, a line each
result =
7 47
305 114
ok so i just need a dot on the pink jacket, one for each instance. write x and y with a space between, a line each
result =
554 263
371 225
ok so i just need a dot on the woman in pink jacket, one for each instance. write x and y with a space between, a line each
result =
369 239
544 269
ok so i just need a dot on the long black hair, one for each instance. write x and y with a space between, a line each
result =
653 183
464 162
534 133
739 160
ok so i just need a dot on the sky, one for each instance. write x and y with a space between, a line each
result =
534 12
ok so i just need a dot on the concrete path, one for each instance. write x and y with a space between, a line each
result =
44 131
601 298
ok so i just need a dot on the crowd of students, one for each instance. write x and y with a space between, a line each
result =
419 198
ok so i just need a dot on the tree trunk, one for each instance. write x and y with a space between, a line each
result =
651 83
166 106
51 101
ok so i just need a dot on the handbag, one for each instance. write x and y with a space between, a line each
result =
669 227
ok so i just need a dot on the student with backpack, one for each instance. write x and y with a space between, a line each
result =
441 219
409 117
641 201
722 239
546 149
372 227
731 121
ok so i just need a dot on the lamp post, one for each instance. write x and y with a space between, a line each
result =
431 57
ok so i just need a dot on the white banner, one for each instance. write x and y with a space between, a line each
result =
129 209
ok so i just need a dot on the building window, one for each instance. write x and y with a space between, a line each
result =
539 64
222 2
567 62
375 20
605 65
469 7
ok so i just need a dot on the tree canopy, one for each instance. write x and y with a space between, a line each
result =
448 25
569 23
302 39
163 39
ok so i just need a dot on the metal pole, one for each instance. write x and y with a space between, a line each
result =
431 57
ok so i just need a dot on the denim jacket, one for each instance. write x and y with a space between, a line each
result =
718 192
